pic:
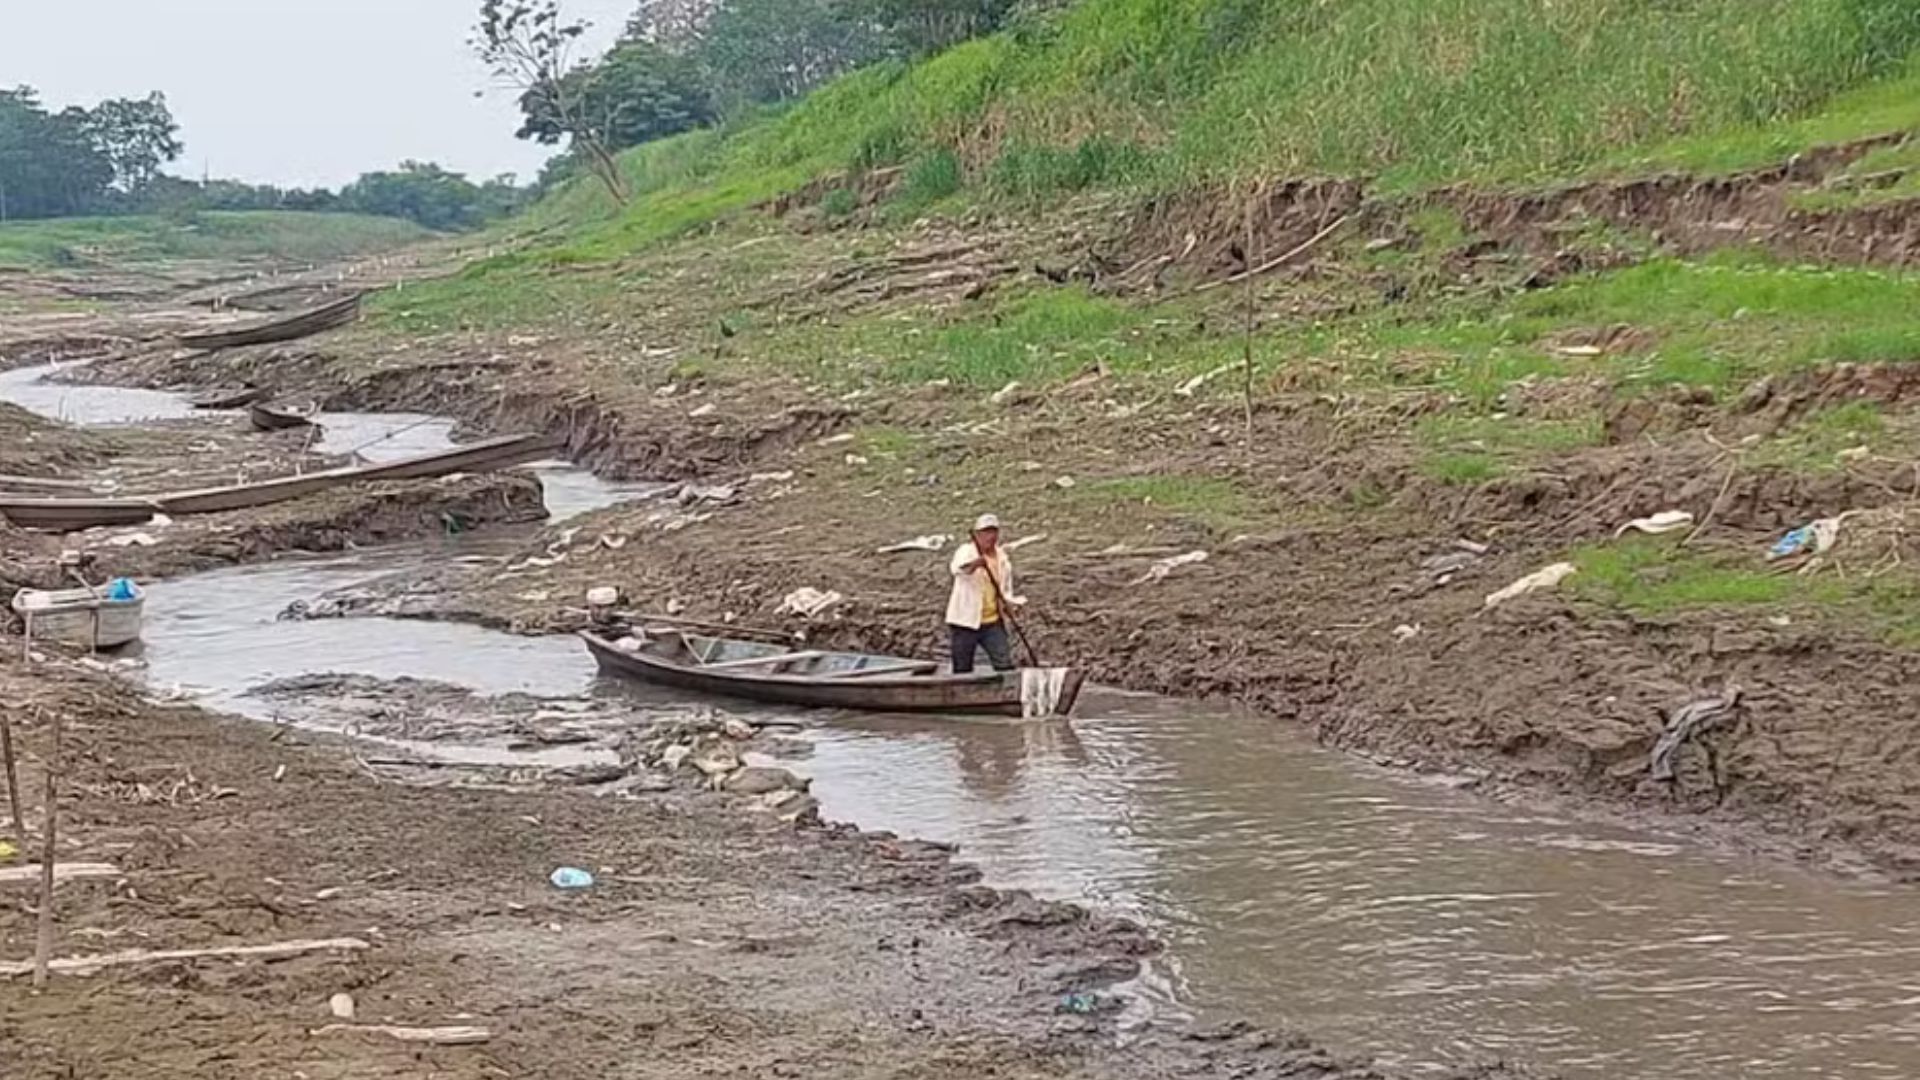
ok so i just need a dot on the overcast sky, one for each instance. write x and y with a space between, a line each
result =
295 92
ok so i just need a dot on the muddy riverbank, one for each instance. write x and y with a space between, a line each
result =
1345 569
715 939
822 948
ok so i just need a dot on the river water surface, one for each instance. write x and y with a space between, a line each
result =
1295 887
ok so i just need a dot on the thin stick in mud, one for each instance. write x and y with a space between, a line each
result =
1246 337
13 778
43 944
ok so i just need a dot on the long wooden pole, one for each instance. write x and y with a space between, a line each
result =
43 947
1006 613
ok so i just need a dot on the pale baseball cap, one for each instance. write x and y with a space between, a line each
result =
987 521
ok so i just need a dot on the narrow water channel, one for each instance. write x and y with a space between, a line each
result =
374 437
1295 887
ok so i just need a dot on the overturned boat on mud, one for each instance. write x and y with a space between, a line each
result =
306 324
778 675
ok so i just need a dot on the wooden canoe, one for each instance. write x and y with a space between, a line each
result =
265 417
230 398
772 673
72 515
86 617
486 455
306 324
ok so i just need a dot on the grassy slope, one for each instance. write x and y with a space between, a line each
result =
1166 94
1172 94
277 234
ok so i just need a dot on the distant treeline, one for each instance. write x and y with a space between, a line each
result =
682 64
107 160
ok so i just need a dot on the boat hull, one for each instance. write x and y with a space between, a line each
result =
989 693
73 515
267 418
482 456
81 617
305 324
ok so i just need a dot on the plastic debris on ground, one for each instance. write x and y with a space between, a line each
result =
1163 567
1546 578
929 542
571 877
1665 521
1689 720
1816 538
809 601
1080 1004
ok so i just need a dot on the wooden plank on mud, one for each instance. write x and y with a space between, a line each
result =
282 950
438 1036
28 875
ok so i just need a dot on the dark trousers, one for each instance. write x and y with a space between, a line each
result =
991 637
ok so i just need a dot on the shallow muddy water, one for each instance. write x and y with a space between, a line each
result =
375 437
1295 886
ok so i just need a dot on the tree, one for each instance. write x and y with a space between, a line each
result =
638 93
925 26
528 45
423 193
49 166
136 138
675 25
773 50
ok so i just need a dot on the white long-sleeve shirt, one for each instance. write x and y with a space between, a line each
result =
970 587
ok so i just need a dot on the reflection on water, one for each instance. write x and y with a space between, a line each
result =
217 635
1295 887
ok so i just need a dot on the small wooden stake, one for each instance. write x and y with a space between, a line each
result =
13 778
1246 339
43 948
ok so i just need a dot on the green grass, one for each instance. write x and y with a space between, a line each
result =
1034 337
285 235
1715 323
1210 501
1173 94
1656 576
1889 174
1879 107
1464 468
1503 433
1463 448
1815 443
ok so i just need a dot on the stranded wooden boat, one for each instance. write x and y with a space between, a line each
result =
266 417
93 618
773 673
305 324
486 455
230 398
72 515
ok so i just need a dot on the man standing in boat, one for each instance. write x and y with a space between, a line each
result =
982 599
